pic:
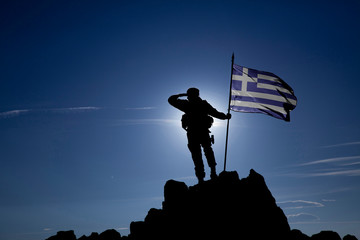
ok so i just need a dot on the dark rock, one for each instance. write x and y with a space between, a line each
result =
93 236
110 234
326 235
296 234
350 237
138 230
223 208
63 235
175 194
226 207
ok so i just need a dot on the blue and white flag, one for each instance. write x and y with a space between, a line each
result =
256 91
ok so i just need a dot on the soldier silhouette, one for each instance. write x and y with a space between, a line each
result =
196 121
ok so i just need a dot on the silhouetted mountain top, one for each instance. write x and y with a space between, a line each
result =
224 208
218 209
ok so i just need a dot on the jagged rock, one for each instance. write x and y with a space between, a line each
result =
296 234
138 230
175 194
224 208
93 236
326 235
110 234
350 237
218 209
63 235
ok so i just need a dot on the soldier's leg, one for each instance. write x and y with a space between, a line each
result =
198 162
210 157
195 149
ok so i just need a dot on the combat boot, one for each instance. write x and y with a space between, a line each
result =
213 174
200 174
201 180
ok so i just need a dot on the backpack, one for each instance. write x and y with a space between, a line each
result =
207 121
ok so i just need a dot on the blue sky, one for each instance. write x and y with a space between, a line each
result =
88 140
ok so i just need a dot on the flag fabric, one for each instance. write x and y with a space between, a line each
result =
256 91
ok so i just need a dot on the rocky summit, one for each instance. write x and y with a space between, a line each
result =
223 208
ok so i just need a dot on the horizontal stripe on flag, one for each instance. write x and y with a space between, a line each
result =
241 77
274 83
257 105
256 110
254 85
270 80
278 98
272 87
267 77
259 100
253 89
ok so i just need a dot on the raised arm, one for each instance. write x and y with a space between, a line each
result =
178 103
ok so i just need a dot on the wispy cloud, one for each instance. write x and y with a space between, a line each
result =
186 178
349 173
13 113
326 173
297 204
342 144
329 160
302 218
339 166
350 164
146 121
338 190
74 109
325 222
140 108
18 112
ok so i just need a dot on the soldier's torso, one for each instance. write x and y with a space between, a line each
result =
196 116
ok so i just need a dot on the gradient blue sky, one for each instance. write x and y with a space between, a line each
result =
88 140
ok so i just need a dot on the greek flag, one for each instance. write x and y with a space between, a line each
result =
256 91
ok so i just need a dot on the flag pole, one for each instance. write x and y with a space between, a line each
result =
227 127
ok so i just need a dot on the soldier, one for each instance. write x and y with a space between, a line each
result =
196 121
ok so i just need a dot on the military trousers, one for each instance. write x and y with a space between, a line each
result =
196 140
